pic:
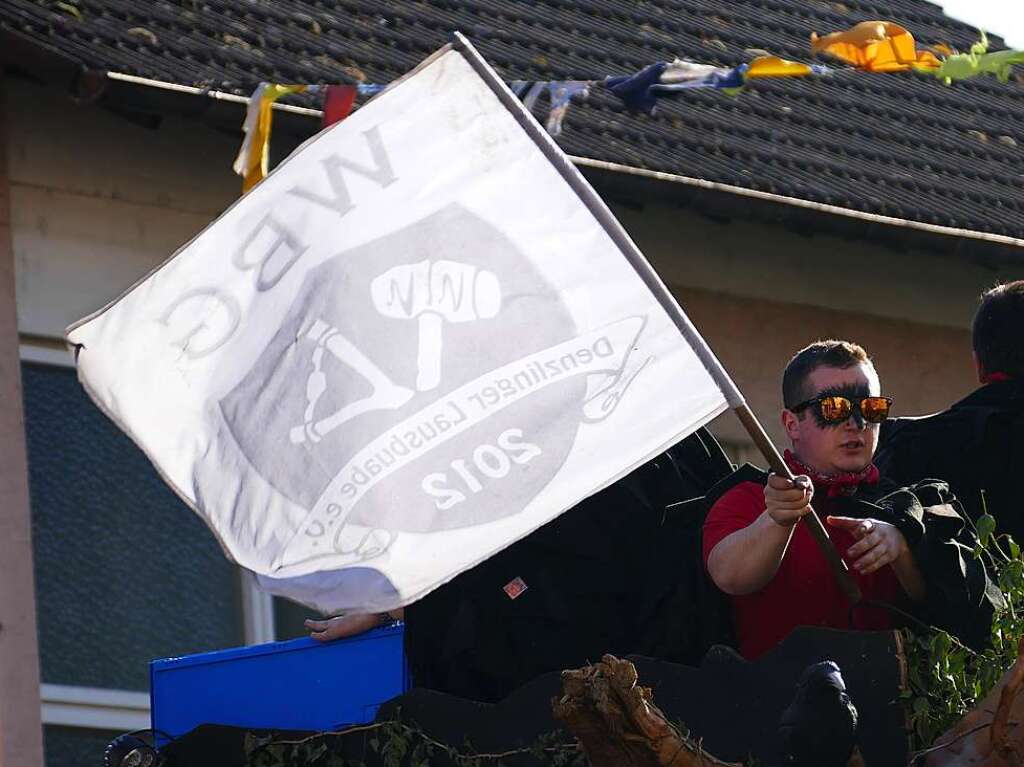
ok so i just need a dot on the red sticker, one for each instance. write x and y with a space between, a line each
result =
514 587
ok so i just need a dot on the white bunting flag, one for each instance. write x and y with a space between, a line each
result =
414 343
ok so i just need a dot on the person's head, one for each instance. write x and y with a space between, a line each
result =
820 440
998 332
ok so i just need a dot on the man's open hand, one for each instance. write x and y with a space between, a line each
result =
788 500
878 543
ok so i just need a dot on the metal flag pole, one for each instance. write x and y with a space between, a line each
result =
646 272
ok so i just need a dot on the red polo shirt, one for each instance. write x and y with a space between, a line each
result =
803 592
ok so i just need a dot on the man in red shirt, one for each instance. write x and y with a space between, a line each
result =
755 550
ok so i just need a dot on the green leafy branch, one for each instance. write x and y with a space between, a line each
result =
948 679
395 743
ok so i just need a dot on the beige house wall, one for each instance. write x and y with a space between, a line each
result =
21 743
756 260
94 208
922 367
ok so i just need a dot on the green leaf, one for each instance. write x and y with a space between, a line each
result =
986 526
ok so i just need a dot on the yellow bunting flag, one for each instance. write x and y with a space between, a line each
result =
876 46
251 163
773 66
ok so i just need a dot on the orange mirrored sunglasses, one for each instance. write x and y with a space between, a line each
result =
834 409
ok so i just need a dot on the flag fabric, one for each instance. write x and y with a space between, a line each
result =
561 93
635 90
415 342
253 156
560 96
640 91
773 66
978 61
682 75
876 46
533 93
681 71
338 101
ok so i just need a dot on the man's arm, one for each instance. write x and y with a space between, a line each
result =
349 625
745 561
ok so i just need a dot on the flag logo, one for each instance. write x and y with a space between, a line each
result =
387 402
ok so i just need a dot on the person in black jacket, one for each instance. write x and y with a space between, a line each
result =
977 445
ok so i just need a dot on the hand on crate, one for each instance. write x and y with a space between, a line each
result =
348 625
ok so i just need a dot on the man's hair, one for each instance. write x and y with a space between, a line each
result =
998 333
830 353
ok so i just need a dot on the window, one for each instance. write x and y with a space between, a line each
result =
125 572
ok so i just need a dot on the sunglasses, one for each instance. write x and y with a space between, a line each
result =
834 409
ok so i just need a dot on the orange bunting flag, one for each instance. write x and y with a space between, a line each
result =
876 46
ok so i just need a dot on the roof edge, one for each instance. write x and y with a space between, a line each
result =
875 218
209 93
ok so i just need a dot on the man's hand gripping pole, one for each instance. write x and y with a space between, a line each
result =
775 462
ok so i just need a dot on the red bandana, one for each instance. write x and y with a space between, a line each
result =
995 378
844 483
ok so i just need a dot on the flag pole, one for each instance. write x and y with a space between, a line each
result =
775 462
646 272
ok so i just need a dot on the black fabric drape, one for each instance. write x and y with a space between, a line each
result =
617 573
977 444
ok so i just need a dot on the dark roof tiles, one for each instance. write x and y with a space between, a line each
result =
903 145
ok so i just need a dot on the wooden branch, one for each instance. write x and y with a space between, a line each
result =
618 724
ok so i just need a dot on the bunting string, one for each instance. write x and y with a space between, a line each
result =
870 46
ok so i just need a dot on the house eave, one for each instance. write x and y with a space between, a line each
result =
146 100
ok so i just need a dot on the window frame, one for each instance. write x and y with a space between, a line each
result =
94 708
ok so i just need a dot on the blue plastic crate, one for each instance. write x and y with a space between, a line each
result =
302 684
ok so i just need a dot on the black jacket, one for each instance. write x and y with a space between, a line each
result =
619 573
977 444
960 596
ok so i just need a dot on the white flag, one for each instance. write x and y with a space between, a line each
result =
411 345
